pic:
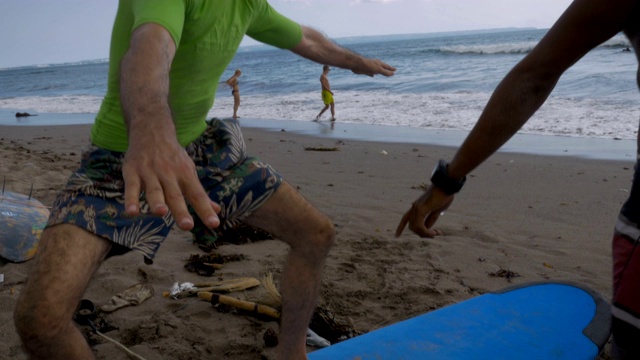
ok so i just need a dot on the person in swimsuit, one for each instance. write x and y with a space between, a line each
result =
327 94
583 26
155 161
234 83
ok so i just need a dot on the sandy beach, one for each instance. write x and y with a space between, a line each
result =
541 217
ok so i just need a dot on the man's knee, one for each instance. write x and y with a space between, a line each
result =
38 323
323 234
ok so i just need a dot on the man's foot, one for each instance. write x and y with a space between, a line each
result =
317 118
333 119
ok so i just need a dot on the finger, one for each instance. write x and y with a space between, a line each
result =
154 194
421 225
215 206
206 208
132 189
177 205
403 224
431 219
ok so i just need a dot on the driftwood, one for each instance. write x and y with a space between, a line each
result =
252 307
225 286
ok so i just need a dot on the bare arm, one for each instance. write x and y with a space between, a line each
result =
155 162
583 26
316 47
231 81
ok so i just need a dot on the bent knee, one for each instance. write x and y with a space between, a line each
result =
36 322
325 233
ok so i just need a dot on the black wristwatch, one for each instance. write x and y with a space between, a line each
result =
441 180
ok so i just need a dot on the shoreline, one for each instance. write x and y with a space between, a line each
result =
551 145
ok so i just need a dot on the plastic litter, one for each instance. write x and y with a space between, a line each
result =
135 295
316 340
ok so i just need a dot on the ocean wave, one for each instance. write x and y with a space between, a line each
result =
492 49
65 104
586 117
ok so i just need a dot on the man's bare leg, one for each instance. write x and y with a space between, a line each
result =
322 112
290 218
67 259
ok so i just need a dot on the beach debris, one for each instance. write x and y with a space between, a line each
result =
384 152
178 288
316 340
270 338
422 186
324 323
179 291
86 315
133 296
206 265
321 148
237 234
24 114
249 306
505 273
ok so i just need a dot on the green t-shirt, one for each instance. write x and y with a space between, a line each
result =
207 34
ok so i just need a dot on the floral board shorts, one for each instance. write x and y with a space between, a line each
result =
93 198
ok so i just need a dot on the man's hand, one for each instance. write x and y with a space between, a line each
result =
373 67
167 175
424 213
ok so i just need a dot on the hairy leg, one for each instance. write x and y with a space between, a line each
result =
67 259
309 233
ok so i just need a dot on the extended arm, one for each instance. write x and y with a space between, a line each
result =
316 47
155 162
583 26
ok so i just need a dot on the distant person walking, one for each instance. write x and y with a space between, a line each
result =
327 94
234 83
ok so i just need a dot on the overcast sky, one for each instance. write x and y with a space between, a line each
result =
55 31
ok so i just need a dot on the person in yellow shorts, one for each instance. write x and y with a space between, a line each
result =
327 94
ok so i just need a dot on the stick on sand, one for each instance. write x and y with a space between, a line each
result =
256 308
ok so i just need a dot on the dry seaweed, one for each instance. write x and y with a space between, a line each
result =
207 264
322 148
505 273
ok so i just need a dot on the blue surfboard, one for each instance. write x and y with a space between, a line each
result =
544 320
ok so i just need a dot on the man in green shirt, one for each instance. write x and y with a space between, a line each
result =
155 160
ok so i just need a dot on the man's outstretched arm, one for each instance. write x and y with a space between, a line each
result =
317 47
